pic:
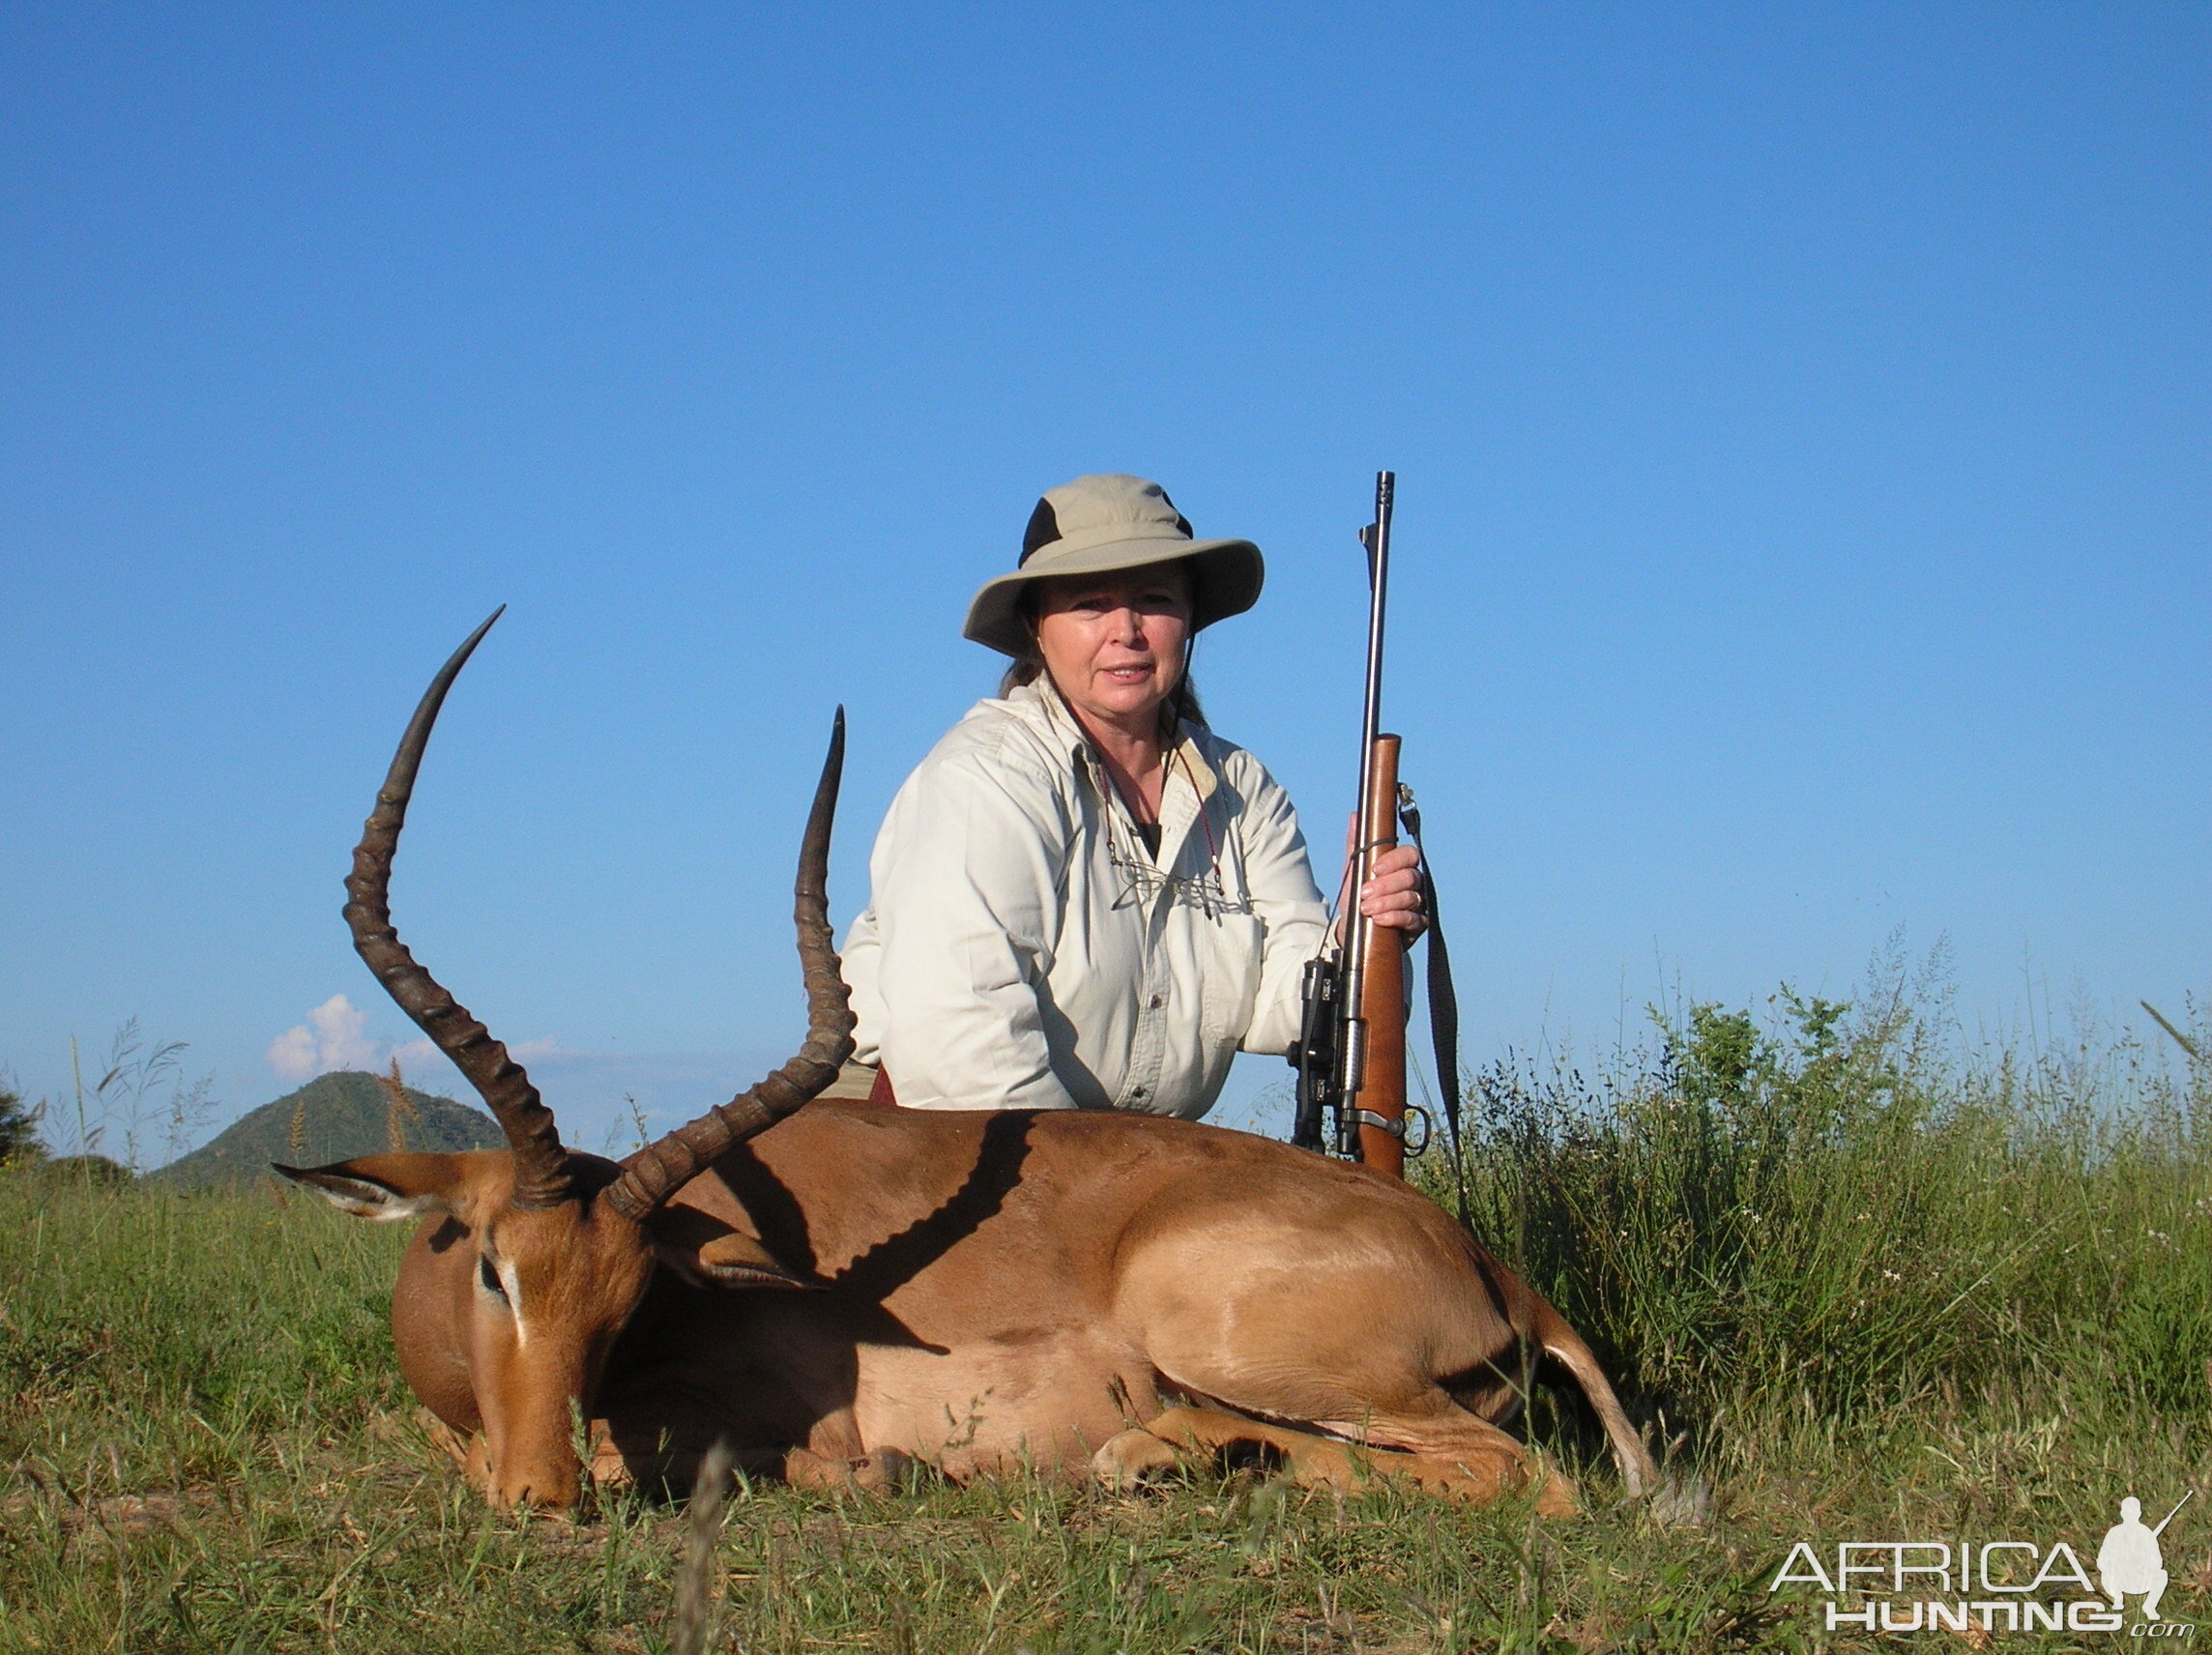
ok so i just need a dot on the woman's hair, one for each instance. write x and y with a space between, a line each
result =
1183 701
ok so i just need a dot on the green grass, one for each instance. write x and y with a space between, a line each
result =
1872 1290
1837 1220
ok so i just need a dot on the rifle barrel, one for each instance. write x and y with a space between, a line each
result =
1358 942
2172 1515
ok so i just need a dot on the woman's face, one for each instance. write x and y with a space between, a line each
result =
1114 643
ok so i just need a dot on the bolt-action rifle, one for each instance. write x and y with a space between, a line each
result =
1351 1052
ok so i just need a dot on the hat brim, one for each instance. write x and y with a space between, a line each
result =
1226 577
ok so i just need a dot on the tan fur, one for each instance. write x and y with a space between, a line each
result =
1488 1465
855 1287
981 1293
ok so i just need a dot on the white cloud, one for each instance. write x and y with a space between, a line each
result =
416 1053
340 1042
334 1037
292 1055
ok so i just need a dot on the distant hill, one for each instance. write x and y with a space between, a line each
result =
331 1119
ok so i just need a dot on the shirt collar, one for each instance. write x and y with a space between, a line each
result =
1191 779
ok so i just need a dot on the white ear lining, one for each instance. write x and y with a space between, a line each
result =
751 1276
371 1201
390 1210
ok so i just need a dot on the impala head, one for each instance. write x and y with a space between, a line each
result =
560 1245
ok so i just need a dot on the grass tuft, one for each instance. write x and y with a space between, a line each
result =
1837 1219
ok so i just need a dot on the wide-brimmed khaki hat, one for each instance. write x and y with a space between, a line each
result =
1096 524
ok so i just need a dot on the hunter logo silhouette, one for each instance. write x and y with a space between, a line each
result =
1980 1583
2130 1560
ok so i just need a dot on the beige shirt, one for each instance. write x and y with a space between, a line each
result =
1022 949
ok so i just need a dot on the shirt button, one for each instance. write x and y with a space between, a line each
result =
1136 1092
1158 1001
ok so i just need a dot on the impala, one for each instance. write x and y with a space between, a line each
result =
835 1289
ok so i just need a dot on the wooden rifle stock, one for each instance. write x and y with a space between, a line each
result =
1381 1008
1351 1050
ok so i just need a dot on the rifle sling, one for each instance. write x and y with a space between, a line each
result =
1443 999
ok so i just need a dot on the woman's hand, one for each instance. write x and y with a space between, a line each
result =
1392 890
1392 894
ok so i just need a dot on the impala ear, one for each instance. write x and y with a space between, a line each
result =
384 1188
708 1253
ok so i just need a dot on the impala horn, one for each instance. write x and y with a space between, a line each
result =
656 1172
541 1173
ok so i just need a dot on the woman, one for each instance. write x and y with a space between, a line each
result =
1084 898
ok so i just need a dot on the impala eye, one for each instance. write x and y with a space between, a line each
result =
489 1277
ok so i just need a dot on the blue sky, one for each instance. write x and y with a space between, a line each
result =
1800 414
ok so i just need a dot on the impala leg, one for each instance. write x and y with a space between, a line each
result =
607 1467
886 1470
1312 1462
1179 1440
476 1466
444 1437
466 1449
804 1469
1443 1450
1440 1445
1133 1458
1556 1497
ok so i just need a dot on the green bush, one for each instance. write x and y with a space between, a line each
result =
18 1130
1839 1216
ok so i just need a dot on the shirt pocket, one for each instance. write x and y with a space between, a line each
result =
1230 980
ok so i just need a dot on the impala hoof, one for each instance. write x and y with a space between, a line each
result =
885 1472
1556 1493
1134 1460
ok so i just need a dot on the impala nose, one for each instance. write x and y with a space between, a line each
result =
542 1482
542 1493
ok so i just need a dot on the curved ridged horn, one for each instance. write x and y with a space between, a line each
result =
656 1172
541 1164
